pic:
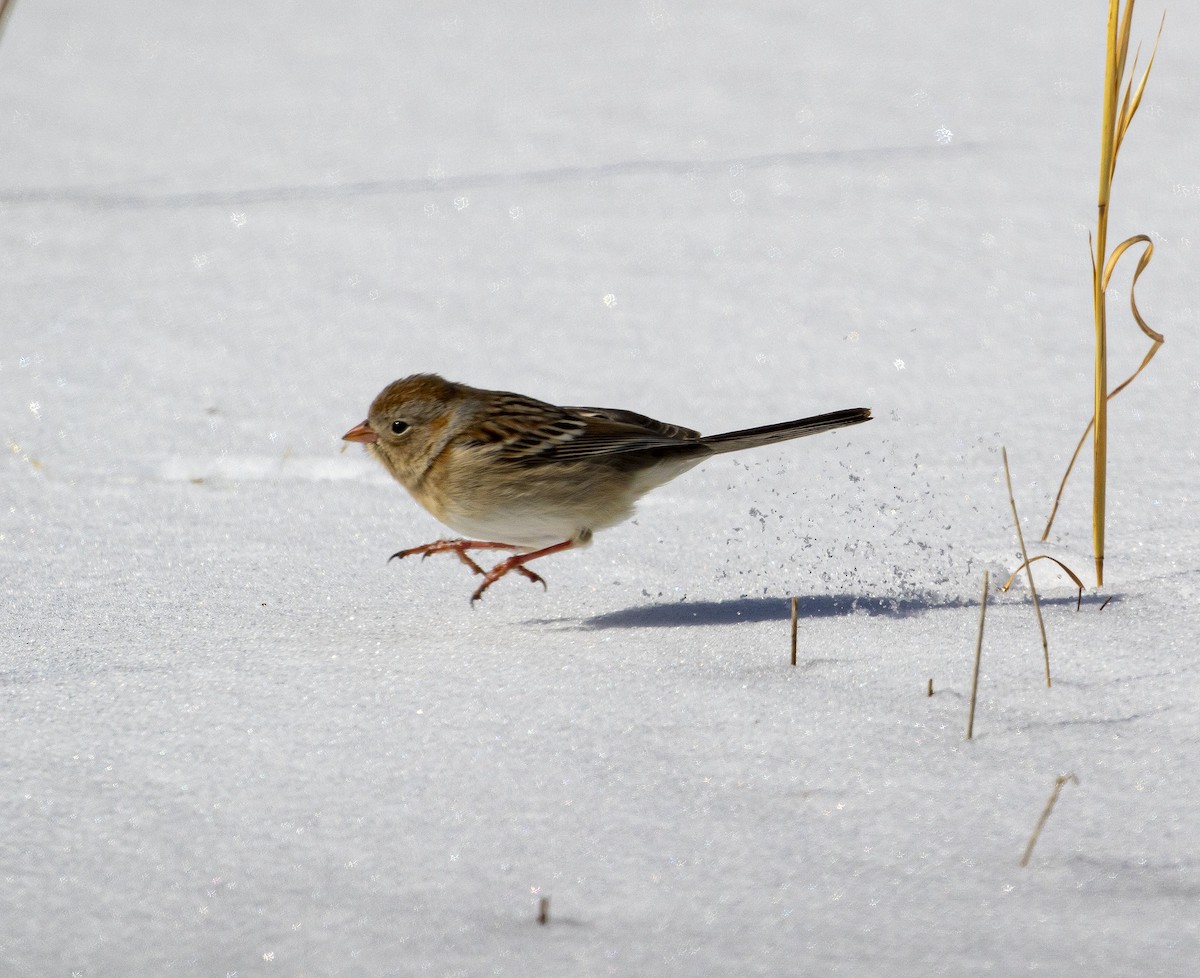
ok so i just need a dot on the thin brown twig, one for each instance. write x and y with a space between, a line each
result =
1067 570
1041 822
1037 605
978 656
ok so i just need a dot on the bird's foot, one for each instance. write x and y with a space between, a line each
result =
460 548
502 568
517 563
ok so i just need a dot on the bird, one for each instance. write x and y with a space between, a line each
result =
513 473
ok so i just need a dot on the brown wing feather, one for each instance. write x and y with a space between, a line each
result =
531 432
675 432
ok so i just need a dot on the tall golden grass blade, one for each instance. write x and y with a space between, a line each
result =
1123 33
1116 117
1127 115
1114 63
1099 441
1123 118
1116 49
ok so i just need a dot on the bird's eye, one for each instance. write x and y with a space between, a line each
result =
399 427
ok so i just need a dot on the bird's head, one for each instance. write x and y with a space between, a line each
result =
409 422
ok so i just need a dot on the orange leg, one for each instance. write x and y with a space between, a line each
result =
460 547
517 563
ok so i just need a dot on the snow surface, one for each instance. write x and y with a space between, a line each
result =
234 740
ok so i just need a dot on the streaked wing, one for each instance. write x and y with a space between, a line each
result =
532 432
673 431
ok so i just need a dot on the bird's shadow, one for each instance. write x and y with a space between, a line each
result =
809 606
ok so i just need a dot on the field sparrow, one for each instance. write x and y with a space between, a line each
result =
513 473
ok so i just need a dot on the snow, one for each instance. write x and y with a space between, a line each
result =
235 740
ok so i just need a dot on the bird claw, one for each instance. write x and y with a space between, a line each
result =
424 550
500 570
459 547
531 576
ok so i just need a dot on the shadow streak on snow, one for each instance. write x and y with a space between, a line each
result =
127 200
779 609
1064 724
1094 721
1176 878
762 609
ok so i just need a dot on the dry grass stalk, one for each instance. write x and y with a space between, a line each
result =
795 620
1157 342
1066 570
978 656
1037 605
1041 823
1118 113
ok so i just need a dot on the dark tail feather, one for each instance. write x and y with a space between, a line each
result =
735 441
